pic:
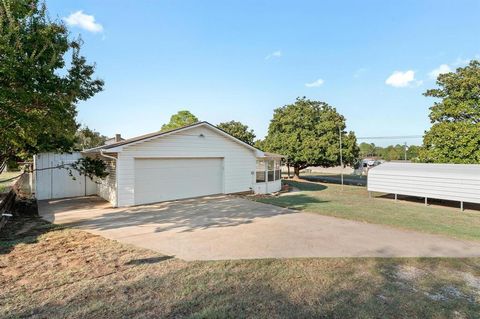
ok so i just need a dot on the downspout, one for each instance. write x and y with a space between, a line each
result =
108 156
116 175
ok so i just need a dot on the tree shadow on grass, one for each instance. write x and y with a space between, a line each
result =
23 230
306 186
146 261
431 201
294 201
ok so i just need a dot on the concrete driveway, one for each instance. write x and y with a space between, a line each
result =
227 227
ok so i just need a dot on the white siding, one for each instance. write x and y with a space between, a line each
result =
52 182
107 187
239 161
268 187
455 182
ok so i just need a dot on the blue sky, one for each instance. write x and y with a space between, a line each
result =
239 60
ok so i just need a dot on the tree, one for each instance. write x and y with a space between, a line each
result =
367 149
39 89
393 152
90 167
455 133
307 132
413 153
182 118
239 131
260 144
87 138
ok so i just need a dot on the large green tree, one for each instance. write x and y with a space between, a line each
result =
308 133
238 130
368 149
39 84
87 138
455 133
180 119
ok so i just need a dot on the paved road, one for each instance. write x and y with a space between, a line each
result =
227 227
336 180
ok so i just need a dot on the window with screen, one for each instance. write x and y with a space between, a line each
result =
278 171
271 170
260 173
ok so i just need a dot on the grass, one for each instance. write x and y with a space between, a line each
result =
5 186
52 272
353 203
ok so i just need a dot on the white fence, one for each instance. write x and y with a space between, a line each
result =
52 182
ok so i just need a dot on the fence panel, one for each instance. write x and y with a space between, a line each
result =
52 181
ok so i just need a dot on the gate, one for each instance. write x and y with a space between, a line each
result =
53 181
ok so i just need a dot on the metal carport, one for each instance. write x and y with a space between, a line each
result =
455 182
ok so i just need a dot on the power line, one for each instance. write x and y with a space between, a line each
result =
388 137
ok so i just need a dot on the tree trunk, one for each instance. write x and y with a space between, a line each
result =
296 172
288 171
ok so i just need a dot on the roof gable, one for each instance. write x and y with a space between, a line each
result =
118 147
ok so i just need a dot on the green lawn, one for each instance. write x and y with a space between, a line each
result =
5 186
353 203
53 272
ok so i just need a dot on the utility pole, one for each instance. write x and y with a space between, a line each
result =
406 148
341 156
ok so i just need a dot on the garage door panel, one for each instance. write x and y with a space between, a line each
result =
159 180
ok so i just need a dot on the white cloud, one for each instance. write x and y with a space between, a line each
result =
315 84
400 79
443 68
460 62
83 21
275 54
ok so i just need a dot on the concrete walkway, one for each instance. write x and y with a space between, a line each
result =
227 227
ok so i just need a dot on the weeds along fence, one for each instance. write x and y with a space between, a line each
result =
21 187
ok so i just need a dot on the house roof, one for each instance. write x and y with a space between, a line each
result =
137 139
116 147
268 154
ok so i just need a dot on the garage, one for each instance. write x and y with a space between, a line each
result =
158 180
191 161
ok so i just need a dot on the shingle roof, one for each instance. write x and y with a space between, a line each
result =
268 154
160 133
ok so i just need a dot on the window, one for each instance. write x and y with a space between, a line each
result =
271 170
278 171
260 174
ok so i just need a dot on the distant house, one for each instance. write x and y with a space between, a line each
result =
192 161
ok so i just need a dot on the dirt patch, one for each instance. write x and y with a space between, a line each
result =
410 273
471 280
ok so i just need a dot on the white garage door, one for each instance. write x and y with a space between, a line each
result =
158 180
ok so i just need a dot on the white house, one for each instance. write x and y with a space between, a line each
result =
191 161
